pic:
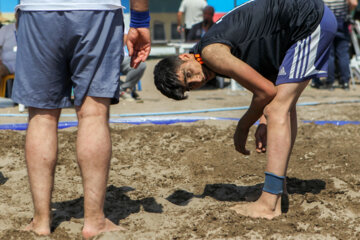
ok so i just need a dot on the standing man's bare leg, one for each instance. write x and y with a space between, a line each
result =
281 137
94 154
41 155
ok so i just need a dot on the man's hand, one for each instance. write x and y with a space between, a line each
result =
261 135
240 138
260 138
138 44
179 29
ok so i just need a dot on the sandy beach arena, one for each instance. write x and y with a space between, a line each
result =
178 181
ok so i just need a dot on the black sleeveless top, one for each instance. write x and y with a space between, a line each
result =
260 32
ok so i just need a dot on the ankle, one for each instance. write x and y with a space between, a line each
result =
269 201
40 226
94 221
41 219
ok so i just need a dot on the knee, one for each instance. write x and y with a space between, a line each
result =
94 108
92 112
273 112
266 96
268 111
49 115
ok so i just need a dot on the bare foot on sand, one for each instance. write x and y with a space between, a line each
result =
267 206
106 226
38 228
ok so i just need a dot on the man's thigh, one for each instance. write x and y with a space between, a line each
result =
41 76
96 59
287 95
308 58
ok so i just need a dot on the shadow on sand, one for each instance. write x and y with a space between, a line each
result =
3 179
233 193
117 206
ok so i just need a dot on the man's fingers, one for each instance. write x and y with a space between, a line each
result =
130 48
258 146
134 63
260 150
144 53
135 59
145 56
264 145
243 150
139 56
261 147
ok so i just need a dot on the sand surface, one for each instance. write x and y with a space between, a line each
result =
179 181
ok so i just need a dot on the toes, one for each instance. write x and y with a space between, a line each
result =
239 209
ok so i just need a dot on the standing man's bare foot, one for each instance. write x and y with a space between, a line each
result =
105 225
267 206
38 228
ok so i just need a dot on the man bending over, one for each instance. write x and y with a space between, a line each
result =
272 48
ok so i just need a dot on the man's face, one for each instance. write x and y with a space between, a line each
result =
208 16
191 73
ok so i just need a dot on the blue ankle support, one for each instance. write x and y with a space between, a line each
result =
273 183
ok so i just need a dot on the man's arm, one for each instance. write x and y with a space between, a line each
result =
219 58
352 4
179 16
179 21
139 42
139 5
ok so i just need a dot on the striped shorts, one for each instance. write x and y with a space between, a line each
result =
308 58
61 51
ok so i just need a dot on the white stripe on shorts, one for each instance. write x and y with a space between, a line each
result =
293 65
304 58
315 39
301 58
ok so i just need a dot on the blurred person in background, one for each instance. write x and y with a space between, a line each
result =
192 11
339 59
198 30
8 48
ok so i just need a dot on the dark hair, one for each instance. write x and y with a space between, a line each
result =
166 79
209 8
